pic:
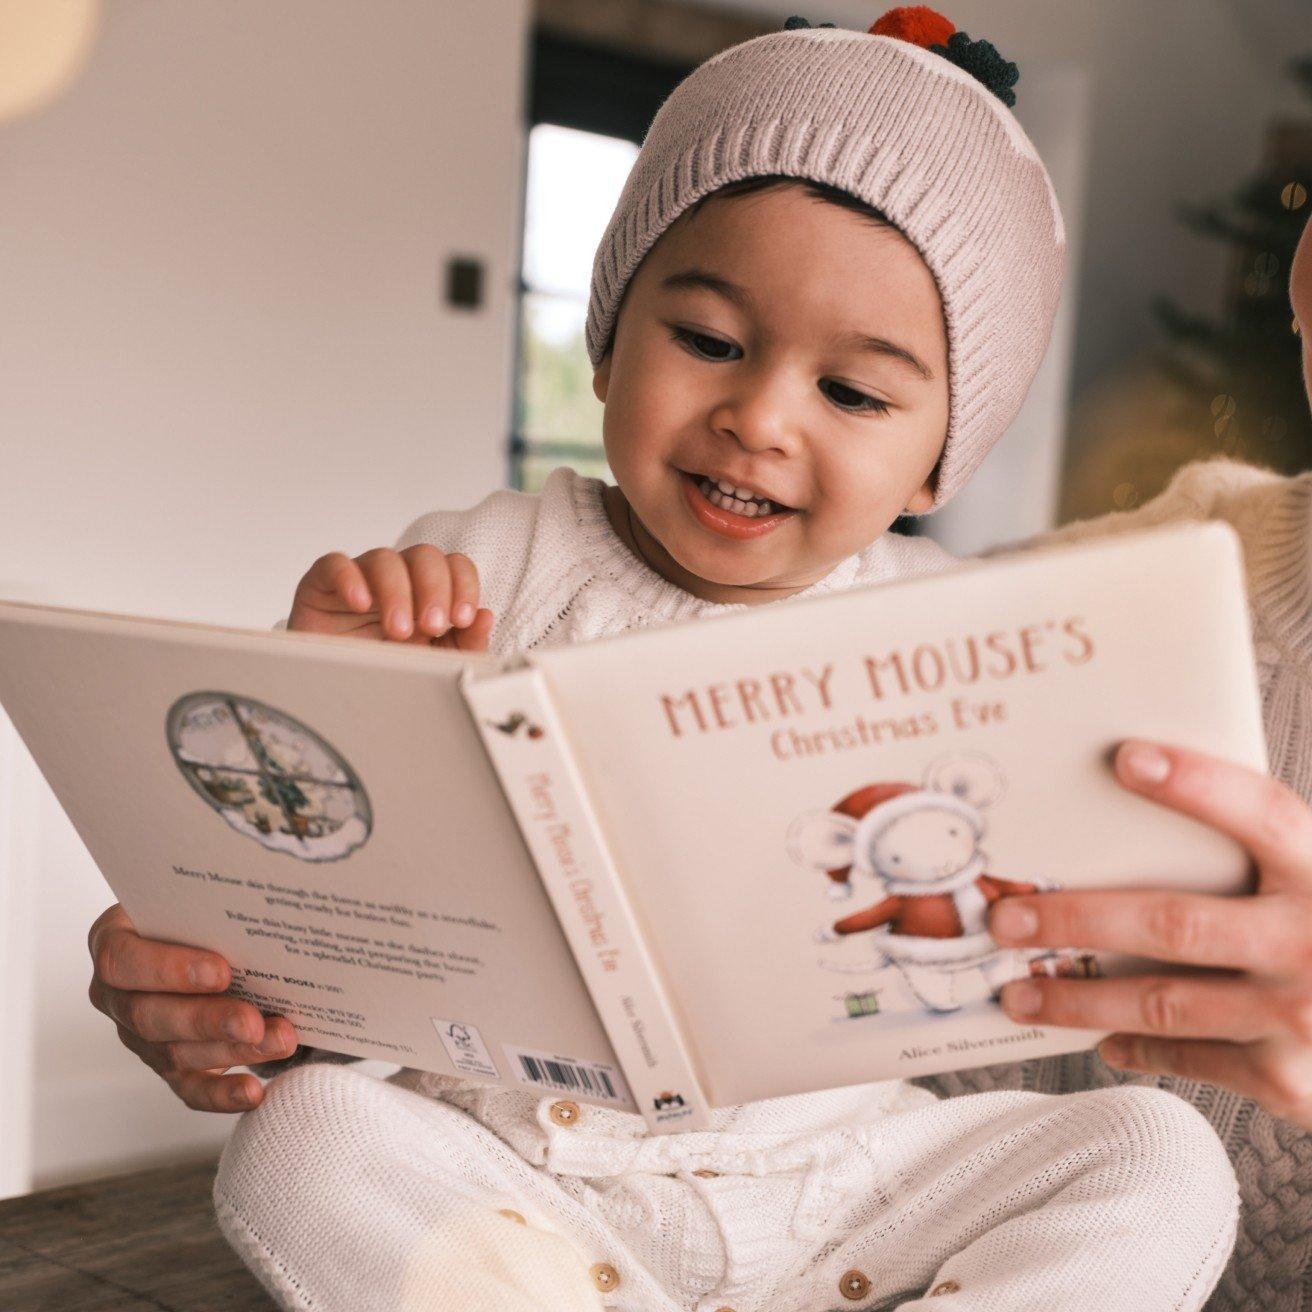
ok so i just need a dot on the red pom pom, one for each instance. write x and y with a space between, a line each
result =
918 24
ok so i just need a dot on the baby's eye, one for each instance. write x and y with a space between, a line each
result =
856 402
698 341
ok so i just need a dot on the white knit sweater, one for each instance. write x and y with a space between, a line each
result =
553 570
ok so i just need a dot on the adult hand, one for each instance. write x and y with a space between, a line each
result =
168 1003
1242 1018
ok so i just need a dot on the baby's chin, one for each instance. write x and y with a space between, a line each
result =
746 572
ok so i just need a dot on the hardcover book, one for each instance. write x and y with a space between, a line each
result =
692 865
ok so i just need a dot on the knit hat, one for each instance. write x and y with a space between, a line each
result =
911 117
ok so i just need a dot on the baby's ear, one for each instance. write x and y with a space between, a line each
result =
923 497
601 378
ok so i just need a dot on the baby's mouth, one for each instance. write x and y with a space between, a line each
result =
736 500
730 511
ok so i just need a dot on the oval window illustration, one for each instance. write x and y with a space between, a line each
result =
269 776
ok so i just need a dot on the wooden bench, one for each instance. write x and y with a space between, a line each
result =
145 1242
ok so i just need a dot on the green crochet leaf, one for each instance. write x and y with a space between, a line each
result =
983 62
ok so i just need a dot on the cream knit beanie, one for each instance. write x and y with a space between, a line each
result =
908 130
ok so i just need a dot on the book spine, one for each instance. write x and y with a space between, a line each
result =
541 780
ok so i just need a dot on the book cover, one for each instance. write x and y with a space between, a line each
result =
321 812
813 805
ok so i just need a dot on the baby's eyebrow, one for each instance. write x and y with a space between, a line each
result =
711 282
742 298
882 346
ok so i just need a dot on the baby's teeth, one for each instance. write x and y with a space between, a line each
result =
751 509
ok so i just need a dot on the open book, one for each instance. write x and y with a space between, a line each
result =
689 866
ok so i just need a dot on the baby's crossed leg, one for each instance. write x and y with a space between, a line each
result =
343 1192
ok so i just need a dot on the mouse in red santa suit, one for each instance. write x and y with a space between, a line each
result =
921 842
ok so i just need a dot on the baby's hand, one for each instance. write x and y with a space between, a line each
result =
379 595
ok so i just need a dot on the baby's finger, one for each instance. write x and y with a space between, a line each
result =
170 1017
207 1091
475 637
336 577
430 583
464 589
389 582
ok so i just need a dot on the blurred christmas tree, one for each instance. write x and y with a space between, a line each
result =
1244 372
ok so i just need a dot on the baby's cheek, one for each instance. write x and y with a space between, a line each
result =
853 515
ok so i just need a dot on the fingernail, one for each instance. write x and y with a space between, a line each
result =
271 1042
1142 764
359 598
1023 998
204 976
464 613
399 622
243 1097
1014 921
236 1027
434 618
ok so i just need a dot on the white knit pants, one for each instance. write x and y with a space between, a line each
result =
345 1193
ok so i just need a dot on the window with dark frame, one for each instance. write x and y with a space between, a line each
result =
588 110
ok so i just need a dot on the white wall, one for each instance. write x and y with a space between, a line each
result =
225 352
20 799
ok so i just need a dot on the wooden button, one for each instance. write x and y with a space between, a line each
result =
604 1276
853 1284
511 1215
945 1287
564 1112
706 1174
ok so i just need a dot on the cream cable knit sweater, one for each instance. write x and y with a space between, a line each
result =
552 570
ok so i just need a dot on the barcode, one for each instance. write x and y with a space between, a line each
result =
565 1075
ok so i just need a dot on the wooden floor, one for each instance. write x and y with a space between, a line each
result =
134 1243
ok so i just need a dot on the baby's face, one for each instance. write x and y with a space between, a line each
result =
755 383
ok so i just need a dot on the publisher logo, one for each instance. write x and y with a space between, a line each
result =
513 723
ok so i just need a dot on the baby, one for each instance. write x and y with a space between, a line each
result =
826 288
